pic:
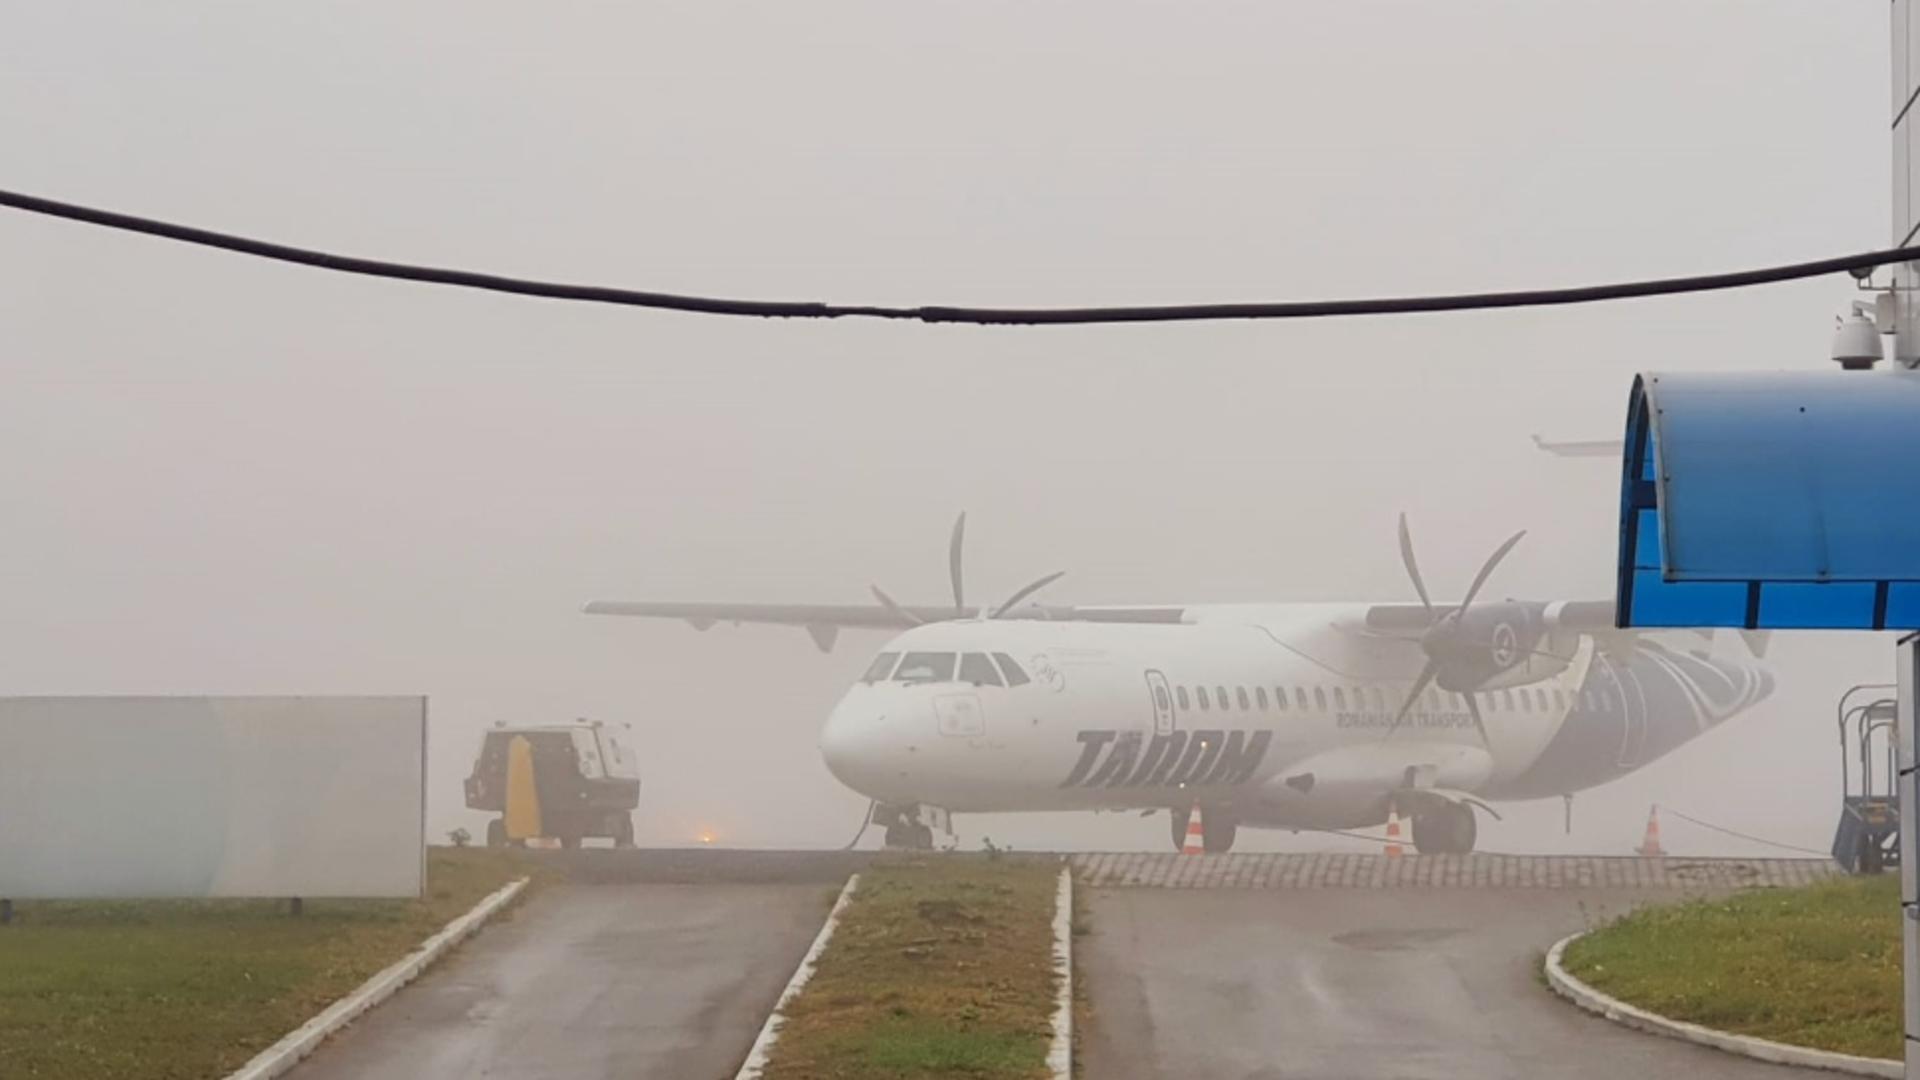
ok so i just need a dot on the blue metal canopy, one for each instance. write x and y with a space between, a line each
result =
1771 500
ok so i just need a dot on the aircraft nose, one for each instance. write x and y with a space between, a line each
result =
858 746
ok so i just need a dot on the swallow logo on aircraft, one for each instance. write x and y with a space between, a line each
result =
1046 674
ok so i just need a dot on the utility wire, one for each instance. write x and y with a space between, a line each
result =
1745 836
712 305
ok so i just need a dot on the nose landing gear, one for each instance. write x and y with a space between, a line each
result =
911 828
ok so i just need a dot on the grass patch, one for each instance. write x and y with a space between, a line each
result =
1816 966
193 988
940 967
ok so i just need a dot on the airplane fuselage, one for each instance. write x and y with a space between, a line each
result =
1280 713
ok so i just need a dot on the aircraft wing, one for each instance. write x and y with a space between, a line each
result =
1410 620
825 621
1581 447
703 615
1593 617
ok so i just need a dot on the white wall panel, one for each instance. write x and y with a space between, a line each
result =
211 796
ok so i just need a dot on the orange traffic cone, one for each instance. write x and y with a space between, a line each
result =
1196 836
1394 850
1650 844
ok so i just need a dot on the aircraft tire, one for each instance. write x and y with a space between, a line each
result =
1450 830
496 833
623 831
1217 831
1424 840
1178 817
910 836
1461 830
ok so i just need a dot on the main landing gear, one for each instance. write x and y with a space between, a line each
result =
910 828
1447 828
1217 828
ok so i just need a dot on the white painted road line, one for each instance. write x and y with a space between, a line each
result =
1631 1016
1060 1050
285 1054
756 1062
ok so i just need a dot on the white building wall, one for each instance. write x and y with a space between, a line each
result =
212 796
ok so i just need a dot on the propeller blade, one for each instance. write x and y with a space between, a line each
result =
1413 567
1473 710
1413 696
953 562
1026 592
894 609
1485 571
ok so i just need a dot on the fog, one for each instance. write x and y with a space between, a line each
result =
228 476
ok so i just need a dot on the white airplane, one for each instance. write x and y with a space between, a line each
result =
1289 716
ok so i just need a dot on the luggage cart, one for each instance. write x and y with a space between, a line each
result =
1867 840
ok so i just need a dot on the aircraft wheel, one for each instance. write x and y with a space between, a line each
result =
910 836
1426 840
1178 818
496 833
623 831
1447 830
570 841
1217 831
1459 829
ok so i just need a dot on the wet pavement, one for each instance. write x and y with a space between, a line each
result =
590 981
1352 983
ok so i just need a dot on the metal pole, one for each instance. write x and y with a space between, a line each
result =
1905 657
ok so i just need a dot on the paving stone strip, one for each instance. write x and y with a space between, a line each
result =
1358 871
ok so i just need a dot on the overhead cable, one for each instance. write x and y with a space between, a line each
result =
1745 836
939 313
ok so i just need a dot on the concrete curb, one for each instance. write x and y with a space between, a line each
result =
1060 1050
285 1054
1620 1012
756 1062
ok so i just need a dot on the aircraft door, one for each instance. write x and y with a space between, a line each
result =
1162 697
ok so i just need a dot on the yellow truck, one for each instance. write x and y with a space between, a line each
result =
567 782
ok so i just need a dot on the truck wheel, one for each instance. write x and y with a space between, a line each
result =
496 833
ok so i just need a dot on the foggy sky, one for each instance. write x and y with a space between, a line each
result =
227 476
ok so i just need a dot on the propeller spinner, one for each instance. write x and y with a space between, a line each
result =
1445 641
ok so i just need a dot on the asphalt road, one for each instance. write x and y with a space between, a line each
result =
592 981
1348 984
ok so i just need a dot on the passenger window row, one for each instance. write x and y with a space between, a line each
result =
1534 698
999 669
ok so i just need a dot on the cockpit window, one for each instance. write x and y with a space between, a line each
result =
1015 676
882 667
926 667
975 668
